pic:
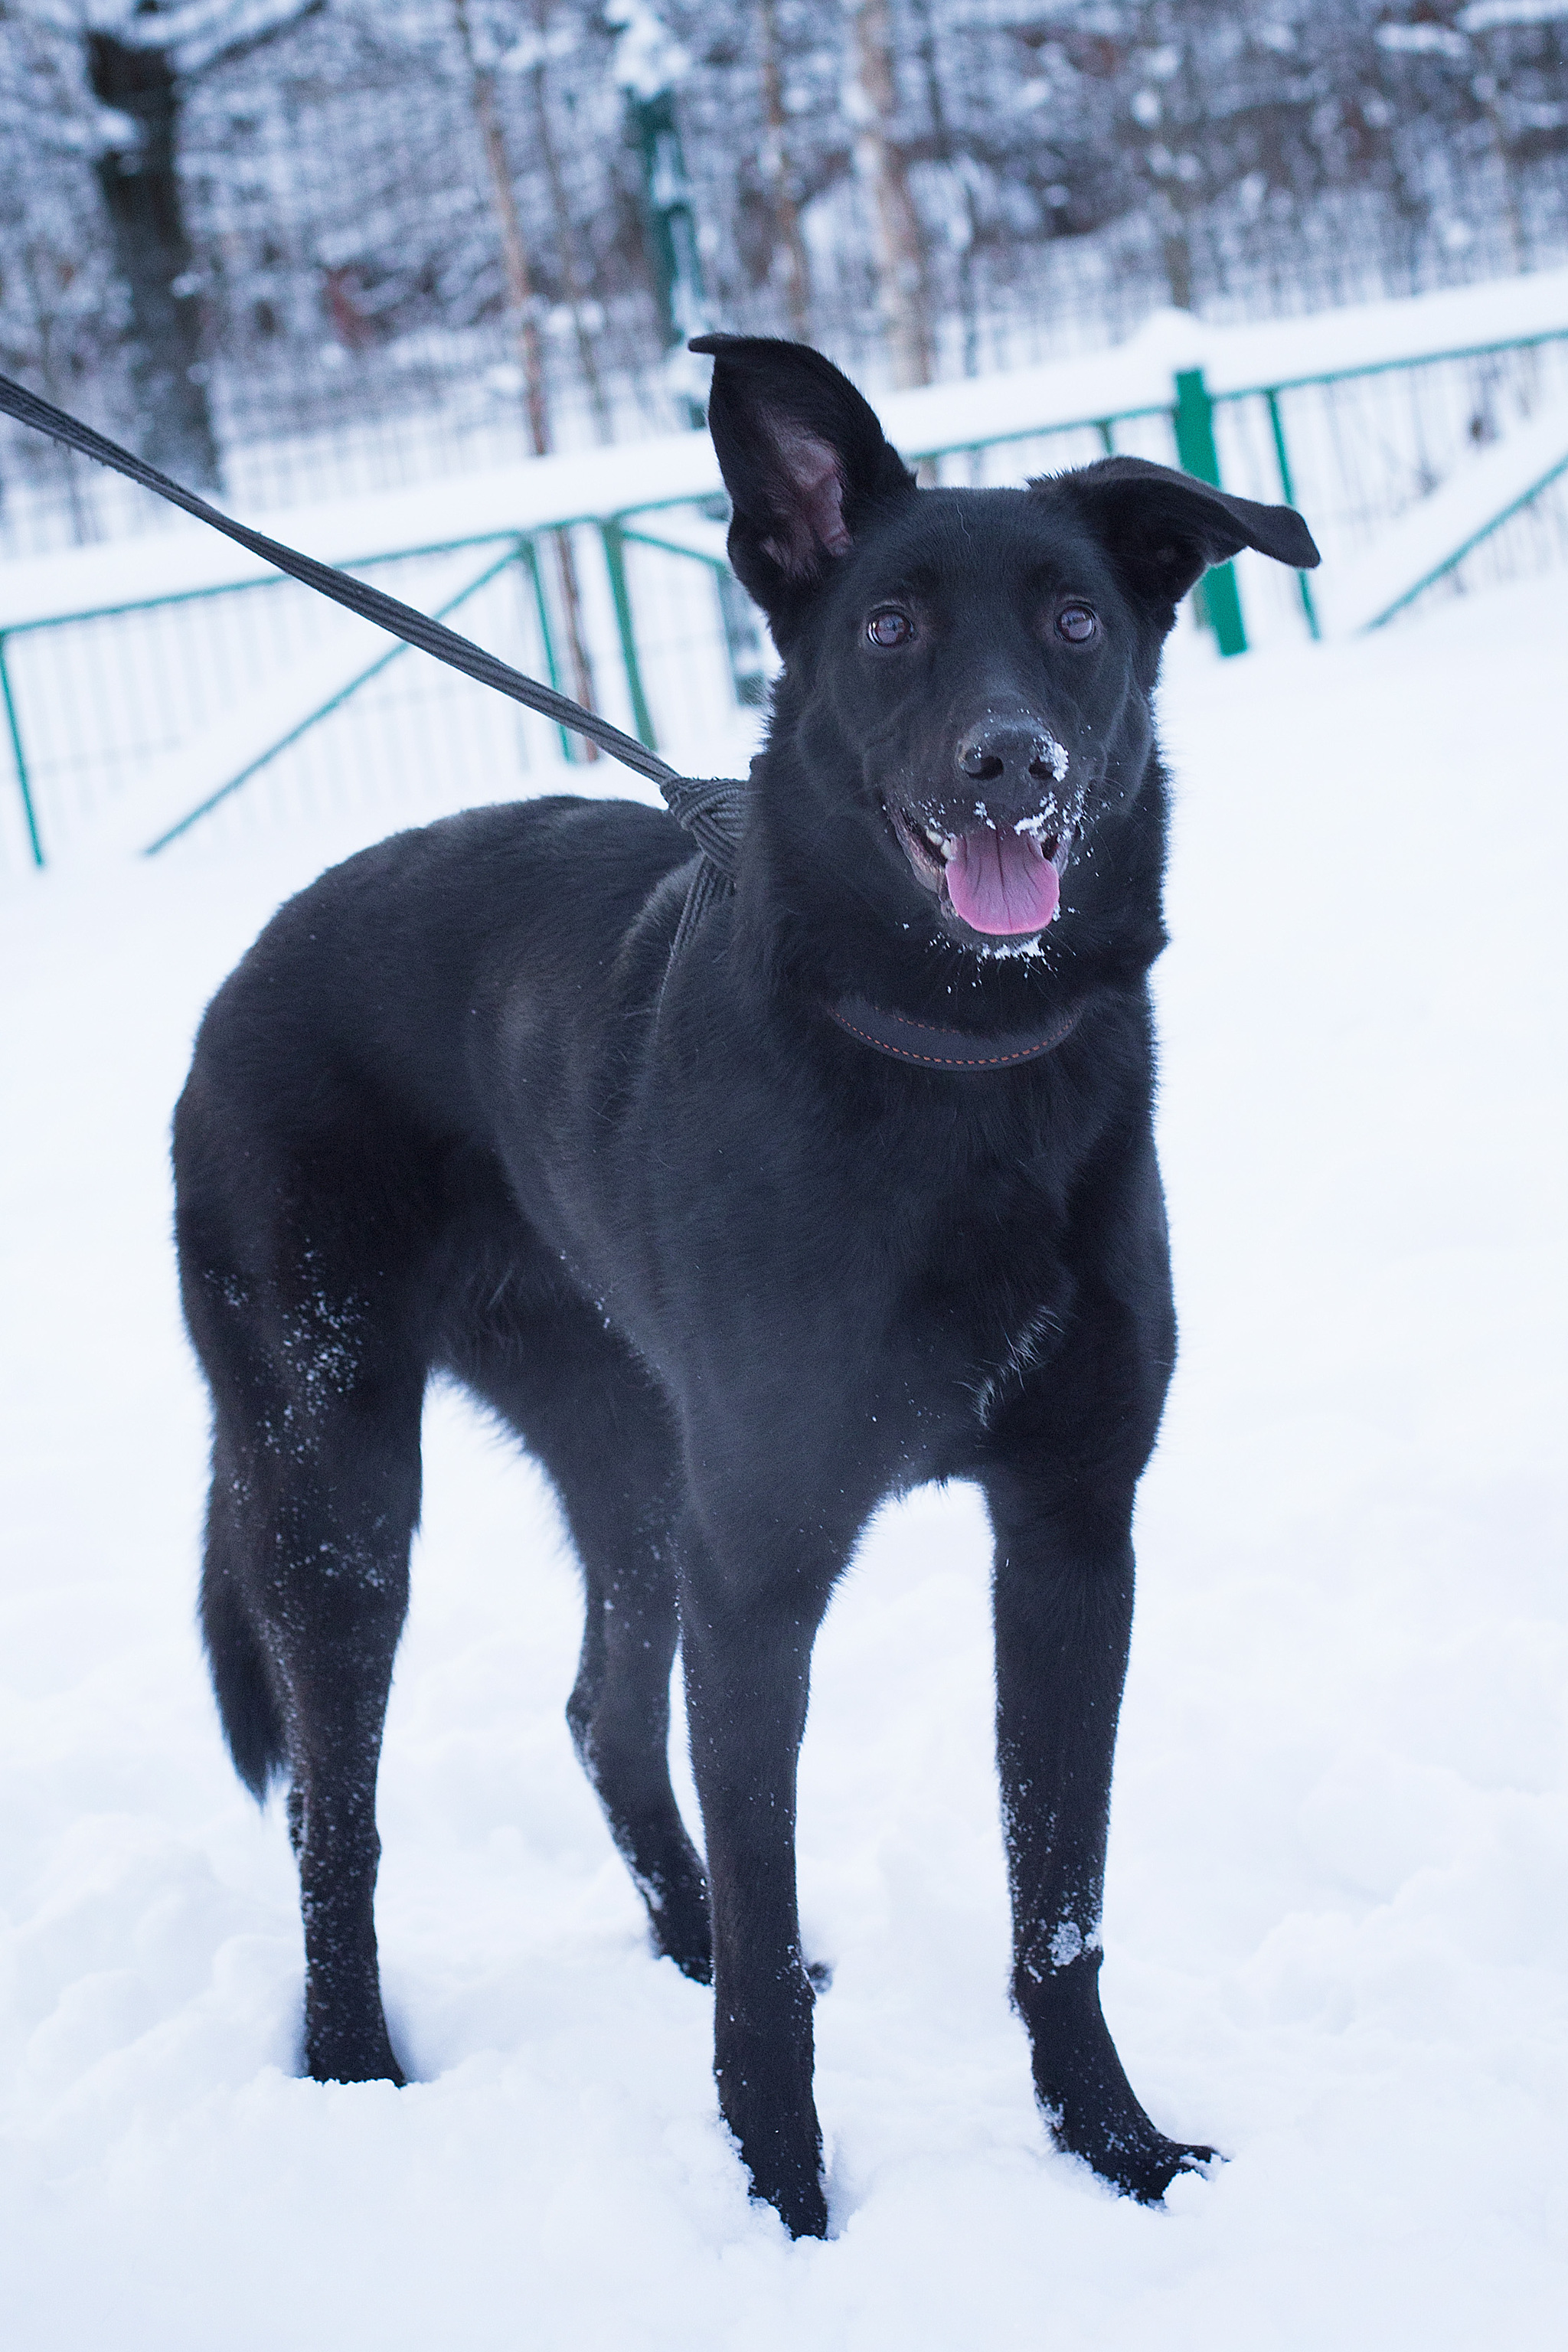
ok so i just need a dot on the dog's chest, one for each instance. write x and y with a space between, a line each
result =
995 1318
1002 1372
876 1290
971 1305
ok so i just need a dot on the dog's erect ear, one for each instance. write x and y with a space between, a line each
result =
1161 528
803 458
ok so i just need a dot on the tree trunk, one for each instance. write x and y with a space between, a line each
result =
942 131
566 237
781 178
531 349
1176 253
896 224
152 254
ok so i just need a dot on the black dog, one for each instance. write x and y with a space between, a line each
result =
856 1191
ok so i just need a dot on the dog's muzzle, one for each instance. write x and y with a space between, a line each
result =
1002 879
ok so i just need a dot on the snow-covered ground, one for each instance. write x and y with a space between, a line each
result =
1336 1905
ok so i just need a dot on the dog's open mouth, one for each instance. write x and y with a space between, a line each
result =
1003 881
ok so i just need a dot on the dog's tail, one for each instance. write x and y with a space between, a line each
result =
247 1701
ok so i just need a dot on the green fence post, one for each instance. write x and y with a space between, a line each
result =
1197 450
613 538
23 786
1288 492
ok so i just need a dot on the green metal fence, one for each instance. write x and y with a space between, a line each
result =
112 706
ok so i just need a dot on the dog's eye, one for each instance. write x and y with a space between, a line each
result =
1077 623
889 628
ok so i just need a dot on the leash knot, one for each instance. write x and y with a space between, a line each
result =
713 811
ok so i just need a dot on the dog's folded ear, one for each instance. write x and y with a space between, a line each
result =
1161 528
803 460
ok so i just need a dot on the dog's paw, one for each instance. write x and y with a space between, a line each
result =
821 1975
693 1961
1149 2179
803 2212
343 2062
1138 2161
794 2191
679 1929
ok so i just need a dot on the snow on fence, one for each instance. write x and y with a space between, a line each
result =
170 684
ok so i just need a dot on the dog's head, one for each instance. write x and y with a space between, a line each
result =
964 714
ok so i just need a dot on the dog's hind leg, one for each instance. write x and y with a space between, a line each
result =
247 1697
590 1415
333 1610
318 1381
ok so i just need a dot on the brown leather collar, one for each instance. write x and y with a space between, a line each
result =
935 1048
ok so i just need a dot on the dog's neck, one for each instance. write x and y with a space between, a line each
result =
934 1047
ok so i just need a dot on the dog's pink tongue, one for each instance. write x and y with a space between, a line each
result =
1000 883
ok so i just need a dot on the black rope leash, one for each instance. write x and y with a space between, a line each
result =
712 809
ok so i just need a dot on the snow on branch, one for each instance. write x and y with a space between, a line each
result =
1482 16
648 59
196 33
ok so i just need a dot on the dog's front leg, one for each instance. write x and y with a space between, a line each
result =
746 1637
1063 1601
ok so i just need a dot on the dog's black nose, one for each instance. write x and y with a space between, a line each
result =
1011 753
